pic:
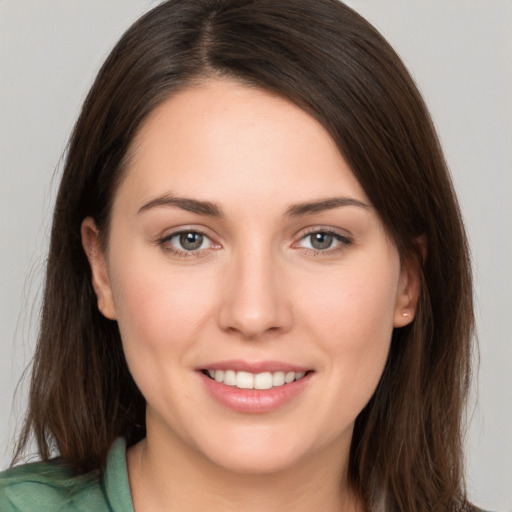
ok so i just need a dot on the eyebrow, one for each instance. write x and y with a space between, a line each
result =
212 210
190 205
303 209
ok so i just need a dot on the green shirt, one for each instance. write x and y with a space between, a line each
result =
48 487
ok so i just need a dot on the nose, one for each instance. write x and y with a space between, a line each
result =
255 299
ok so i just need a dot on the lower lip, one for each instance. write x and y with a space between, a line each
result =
255 401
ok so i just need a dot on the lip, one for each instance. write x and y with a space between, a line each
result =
254 401
253 366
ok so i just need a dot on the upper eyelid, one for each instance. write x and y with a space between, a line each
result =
340 238
181 231
171 232
343 233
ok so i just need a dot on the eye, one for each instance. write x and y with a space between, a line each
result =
323 241
186 242
190 241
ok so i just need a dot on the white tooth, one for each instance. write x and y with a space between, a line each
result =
263 380
289 377
211 373
244 380
219 375
278 379
299 375
230 378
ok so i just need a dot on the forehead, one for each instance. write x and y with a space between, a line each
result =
221 140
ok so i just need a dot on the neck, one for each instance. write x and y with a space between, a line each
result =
176 478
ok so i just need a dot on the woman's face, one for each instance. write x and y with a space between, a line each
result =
241 247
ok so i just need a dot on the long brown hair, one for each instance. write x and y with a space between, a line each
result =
406 451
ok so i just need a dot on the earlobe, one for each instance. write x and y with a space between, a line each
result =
409 286
96 256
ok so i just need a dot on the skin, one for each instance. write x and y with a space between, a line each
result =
256 290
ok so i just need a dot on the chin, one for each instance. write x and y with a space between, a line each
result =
262 453
262 463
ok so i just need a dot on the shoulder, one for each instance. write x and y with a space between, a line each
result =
49 487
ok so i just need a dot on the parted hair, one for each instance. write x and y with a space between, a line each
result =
406 452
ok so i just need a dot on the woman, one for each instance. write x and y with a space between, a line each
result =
258 290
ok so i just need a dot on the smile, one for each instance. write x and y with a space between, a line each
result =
247 380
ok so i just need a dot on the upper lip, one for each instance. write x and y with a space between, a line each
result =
254 366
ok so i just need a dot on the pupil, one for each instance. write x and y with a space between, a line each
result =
191 241
321 240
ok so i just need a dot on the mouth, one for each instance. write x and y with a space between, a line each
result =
255 387
247 380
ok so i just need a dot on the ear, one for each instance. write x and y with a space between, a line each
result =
96 255
409 285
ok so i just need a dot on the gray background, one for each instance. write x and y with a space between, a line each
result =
460 53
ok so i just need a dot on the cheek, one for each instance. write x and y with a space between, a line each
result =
356 305
161 314
159 308
352 320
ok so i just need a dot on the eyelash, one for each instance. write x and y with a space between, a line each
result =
164 242
343 242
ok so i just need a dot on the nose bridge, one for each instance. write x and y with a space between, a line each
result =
254 301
